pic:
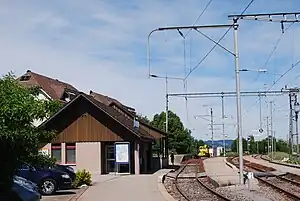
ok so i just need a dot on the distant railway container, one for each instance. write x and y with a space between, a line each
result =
204 151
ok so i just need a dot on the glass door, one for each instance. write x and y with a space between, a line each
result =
110 158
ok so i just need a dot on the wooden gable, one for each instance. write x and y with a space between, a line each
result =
82 121
86 129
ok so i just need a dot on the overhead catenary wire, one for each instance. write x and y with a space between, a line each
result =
287 71
209 38
273 51
265 64
199 16
216 44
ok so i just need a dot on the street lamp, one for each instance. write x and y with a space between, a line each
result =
258 70
167 100
166 77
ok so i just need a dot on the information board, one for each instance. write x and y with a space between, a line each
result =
122 152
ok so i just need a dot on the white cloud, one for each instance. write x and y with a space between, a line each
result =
102 46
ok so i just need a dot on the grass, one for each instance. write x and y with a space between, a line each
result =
278 156
231 154
294 160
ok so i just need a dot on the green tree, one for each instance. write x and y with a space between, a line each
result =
143 118
19 138
252 145
195 146
235 145
179 138
282 146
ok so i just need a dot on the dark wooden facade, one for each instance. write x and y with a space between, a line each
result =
87 129
84 122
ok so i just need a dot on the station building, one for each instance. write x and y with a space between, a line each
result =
90 126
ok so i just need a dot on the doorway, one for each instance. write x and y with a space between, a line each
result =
110 158
110 165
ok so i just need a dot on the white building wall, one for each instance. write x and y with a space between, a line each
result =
88 156
47 148
41 96
218 151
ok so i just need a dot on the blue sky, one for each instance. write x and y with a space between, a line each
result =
101 45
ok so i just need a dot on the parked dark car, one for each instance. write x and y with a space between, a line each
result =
67 169
25 190
47 180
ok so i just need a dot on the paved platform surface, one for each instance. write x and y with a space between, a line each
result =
125 188
279 168
66 195
217 169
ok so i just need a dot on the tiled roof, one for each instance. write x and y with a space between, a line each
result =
107 100
53 87
128 110
141 120
128 123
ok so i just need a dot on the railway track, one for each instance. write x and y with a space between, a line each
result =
288 184
197 188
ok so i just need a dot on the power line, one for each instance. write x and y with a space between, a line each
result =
287 71
199 17
208 53
273 50
209 38
217 43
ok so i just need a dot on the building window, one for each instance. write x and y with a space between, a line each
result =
70 153
56 152
25 78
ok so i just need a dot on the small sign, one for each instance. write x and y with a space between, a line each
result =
250 175
136 124
122 152
261 130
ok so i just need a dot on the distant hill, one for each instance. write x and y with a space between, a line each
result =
219 143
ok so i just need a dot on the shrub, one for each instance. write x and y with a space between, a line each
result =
40 160
82 177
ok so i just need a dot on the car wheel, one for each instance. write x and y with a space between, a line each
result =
48 186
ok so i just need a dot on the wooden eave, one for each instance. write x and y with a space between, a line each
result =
100 106
142 122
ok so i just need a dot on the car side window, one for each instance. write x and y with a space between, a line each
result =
24 167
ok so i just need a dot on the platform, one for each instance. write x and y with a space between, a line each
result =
279 168
222 173
227 176
126 188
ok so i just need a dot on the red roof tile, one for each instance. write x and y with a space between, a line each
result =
53 87
107 100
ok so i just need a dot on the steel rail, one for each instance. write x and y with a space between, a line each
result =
263 179
176 183
282 177
211 190
221 197
278 188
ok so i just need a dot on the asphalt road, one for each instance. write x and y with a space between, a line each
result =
68 195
